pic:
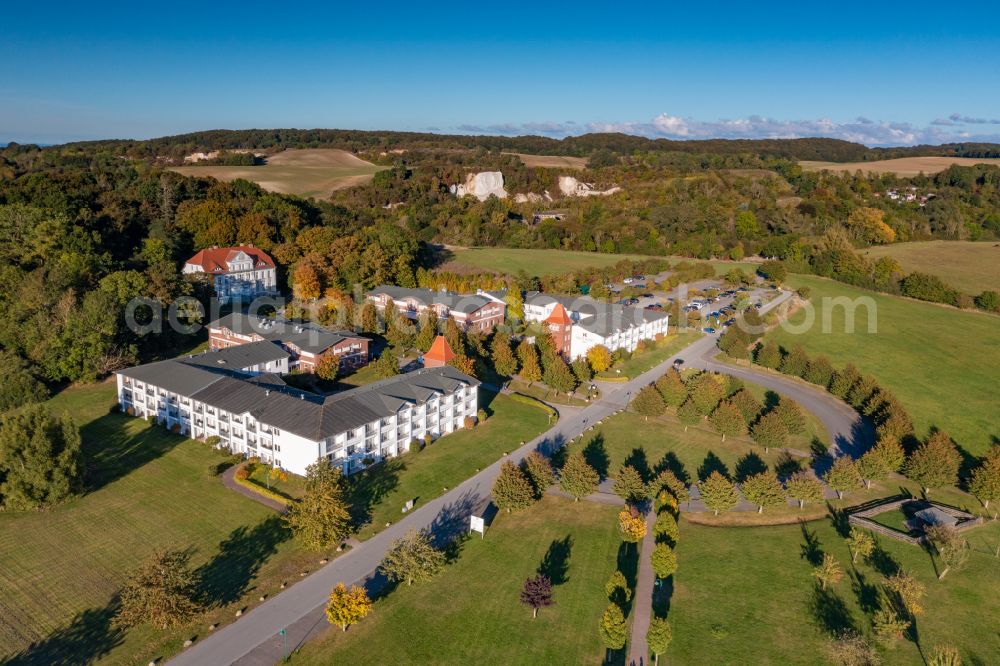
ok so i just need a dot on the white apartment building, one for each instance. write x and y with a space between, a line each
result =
252 411
596 323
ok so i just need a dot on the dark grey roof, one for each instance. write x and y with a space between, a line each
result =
174 376
466 303
240 356
308 415
595 316
306 336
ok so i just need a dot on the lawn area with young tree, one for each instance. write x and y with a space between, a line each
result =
145 490
472 612
941 362
739 587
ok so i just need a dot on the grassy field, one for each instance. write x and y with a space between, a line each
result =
553 161
745 595
903 166
313 172
554 262
662 443
381 491
147 490
470 614
941 362
969 267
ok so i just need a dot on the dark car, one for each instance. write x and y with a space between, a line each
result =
678 362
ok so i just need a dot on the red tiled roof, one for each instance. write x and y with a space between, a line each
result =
213 259
559 316
440 351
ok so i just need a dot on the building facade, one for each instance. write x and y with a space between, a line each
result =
305 341
472 312
241 272
253 412
593 323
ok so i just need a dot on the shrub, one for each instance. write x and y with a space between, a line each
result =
469 422
481 415
415 446
213 440
805 292
428 439
243 473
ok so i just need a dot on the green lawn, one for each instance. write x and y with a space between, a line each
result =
555 262
542 392
642 361
745 595
656 443
380 492
942 363
970 267
470 614
148 490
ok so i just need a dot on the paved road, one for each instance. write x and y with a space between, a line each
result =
254 638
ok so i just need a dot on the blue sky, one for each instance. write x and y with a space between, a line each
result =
862 72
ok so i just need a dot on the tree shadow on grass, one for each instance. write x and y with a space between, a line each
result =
771 400
839 520
628 564
227 577
555 563
85 640
671 462
749 465
111 452
662 594
596 455
866 593
637 460
831 612
368 488
786 465
882 561
712 463
452 521
811 551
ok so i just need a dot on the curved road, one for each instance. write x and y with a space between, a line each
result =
254 638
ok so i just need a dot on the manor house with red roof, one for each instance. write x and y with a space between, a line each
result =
241 272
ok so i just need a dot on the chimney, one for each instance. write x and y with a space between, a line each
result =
267 392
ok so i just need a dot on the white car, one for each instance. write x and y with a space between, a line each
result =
628 280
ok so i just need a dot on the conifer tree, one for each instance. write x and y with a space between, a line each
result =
504 361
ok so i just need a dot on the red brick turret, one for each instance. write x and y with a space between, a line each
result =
560 326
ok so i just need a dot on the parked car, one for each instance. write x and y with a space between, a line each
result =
678 362
708 329
628 280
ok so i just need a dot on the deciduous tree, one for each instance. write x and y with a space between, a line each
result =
412 558
829 572
328 366
538 470
617 587
666 527
985 481
536 593
872 467
321 518
648 402
769 355
718 493
706 392
804 487
689 414
600 358
763 489
728 420
347 606
386 365
770 431
658 637
842 475
632 525
861 543
950 546
843 380
667 480
909 591
613 630
664 561
629 485
672 388
512 490
935 463
161 593
791 415
577 477
531 371
748 405
40 462
796 362
504 361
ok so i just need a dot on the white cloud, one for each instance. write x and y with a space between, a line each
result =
860 130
